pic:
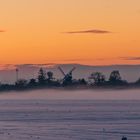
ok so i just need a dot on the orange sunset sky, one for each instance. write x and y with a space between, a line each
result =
93 32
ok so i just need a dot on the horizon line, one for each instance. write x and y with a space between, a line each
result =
49 65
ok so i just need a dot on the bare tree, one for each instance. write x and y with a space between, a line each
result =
97 78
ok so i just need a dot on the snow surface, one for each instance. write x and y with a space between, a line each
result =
34 119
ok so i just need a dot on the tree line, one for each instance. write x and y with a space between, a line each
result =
47 80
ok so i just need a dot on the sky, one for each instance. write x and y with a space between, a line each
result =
91 32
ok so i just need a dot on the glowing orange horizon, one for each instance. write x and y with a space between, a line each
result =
92 32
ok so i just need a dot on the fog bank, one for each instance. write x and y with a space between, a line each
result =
73 95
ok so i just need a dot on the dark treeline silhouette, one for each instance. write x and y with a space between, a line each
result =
124 138
115 79
47 80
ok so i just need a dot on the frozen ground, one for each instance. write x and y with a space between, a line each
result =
34 119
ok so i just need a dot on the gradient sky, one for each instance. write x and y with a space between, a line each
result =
95 32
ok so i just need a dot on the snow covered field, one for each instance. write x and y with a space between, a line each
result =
52 119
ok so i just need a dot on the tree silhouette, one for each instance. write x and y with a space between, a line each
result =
97 78
51 80
124 138
115 78
32 82
42 77
82 81
137 82
21 83
50 75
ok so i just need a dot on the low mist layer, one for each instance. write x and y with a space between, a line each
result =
74 95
